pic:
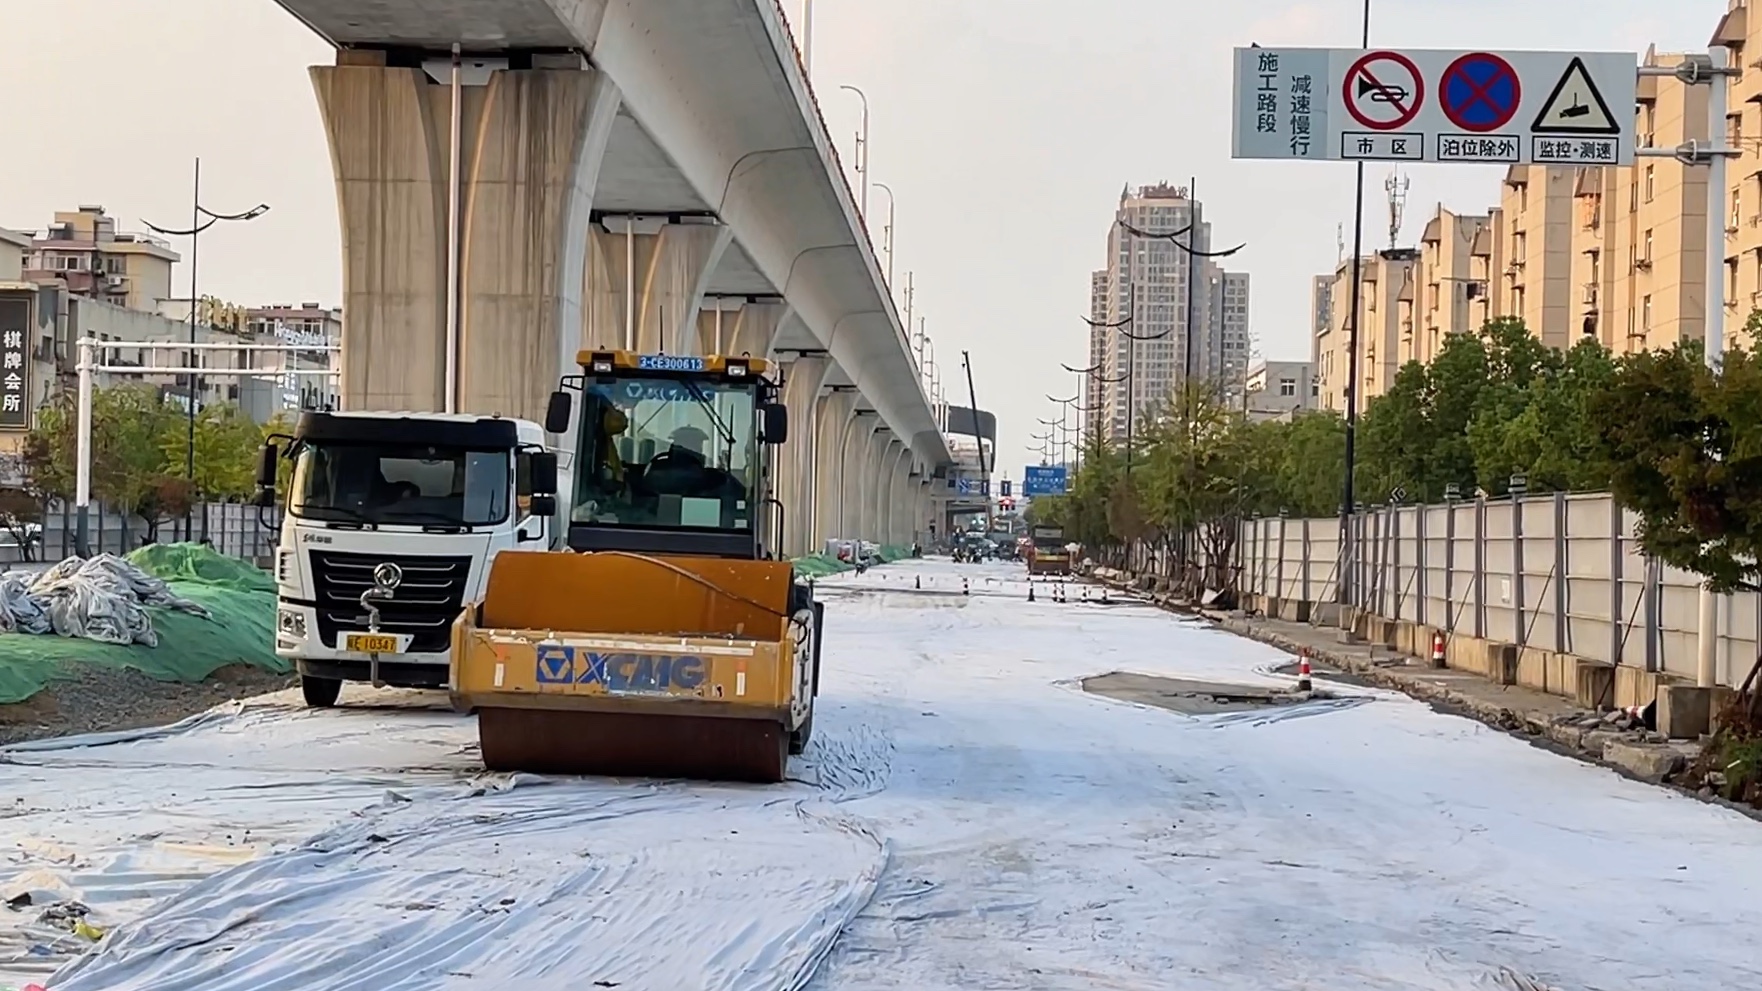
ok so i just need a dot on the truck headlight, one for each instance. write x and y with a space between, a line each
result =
290 623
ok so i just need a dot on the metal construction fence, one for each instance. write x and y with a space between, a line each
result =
1558 572
230 528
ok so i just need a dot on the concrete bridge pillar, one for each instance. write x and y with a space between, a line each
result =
532 141
898 509
832 429
863 425
796 462
882 454
665 268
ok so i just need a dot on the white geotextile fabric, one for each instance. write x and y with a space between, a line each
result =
1025 834
103 598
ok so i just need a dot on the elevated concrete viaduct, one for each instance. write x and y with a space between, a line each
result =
518 179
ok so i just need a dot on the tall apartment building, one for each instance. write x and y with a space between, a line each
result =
1619 254
1172 310
1228 364
1743 128
1389 282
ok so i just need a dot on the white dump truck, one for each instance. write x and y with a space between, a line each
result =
390 523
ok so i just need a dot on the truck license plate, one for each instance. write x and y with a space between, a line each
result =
371 643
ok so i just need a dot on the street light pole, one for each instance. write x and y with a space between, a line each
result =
862 152
1344 586
197 225
887 233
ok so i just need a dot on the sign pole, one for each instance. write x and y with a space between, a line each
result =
1343 586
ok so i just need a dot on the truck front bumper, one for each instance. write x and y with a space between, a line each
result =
297 640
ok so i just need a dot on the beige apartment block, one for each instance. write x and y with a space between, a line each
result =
1386 313
1743 129
1486 267
1449 287
1536 282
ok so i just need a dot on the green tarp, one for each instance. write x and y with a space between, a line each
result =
241 597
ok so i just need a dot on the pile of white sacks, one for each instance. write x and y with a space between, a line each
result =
104 598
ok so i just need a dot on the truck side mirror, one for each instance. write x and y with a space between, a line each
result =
268 462
543 470
776 425
543 505
557 413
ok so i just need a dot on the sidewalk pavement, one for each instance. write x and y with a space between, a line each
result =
1612 739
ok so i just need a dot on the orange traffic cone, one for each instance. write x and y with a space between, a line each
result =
1303 682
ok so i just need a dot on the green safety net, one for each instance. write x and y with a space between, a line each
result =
241 597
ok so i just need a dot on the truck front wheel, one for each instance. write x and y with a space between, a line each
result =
320 693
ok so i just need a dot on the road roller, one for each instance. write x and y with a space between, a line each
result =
668 637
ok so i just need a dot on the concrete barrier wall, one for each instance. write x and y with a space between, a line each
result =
1554 575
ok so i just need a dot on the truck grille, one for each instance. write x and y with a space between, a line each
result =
424 605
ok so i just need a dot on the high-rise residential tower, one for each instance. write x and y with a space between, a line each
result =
1144 302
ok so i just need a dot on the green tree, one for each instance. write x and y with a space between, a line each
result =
1309 462
226 446
1684 451
138 445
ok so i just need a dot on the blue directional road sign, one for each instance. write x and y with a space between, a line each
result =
964 486
1044 480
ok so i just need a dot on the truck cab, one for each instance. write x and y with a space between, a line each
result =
390 523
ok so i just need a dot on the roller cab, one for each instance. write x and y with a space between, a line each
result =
666 640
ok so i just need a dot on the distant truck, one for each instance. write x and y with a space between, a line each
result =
415 505
1047 554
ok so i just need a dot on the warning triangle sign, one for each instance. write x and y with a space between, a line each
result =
1575 106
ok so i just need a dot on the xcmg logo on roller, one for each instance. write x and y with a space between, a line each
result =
559 664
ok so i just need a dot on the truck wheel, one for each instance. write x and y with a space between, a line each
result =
320 693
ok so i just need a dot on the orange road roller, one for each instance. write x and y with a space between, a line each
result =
664 637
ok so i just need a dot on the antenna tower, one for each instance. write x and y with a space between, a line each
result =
1397 185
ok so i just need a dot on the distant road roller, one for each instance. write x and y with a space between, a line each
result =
668 639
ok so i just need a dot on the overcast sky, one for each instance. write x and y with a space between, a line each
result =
1007 127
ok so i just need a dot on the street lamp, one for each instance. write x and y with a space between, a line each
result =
887 233
807 40
863 153
201 218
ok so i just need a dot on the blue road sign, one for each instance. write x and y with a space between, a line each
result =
965 486
1480 92
1044 480
1006 491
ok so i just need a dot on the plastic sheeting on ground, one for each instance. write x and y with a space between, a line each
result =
175 612
278 847
1036 836
104 598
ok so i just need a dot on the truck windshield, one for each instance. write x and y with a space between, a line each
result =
400 484
667 453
